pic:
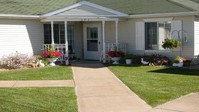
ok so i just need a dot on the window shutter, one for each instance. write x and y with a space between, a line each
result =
176 26
140 36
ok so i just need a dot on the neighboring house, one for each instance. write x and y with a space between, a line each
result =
93 27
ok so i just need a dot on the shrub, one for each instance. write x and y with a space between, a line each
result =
14 61
137 59
153 59
157 59
128 56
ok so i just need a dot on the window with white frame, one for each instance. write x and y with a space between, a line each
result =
59 35
155 33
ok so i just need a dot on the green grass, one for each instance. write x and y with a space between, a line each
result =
47 73
157 85
37 100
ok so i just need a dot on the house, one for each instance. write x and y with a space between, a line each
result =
92 27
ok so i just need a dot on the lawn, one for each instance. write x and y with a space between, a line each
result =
38 100
47 73
157 85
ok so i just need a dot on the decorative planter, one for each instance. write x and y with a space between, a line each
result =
180 64
52 61
115 60
128 61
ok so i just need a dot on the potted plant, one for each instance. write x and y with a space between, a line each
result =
170 43
52 56
178 62
186 62
115 56
128 58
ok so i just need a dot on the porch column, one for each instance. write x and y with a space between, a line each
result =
52 33
103 37
66 43
116 32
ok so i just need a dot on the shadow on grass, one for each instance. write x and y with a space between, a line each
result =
177 71
87 64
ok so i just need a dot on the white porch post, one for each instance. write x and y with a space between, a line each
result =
52 33
103 37
116 35
66 43
116 32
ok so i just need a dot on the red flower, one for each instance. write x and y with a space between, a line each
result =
52 54
115 53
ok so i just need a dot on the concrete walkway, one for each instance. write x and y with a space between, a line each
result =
188 103
44 83
99 90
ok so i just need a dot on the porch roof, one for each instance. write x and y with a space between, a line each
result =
84 10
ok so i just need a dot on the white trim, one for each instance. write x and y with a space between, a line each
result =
104 8
61 10
157 51
116 32
103 38
19 16
84 3
78 19
84 15
66 41
158 19
164 14
52 32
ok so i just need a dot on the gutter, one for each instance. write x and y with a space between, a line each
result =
165 14
14 16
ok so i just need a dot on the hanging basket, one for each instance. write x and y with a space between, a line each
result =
170 43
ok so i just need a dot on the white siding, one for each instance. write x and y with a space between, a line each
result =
85 10
24 36
140 37
196 39
129 33
176 27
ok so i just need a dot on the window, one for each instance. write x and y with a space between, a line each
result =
47 34
59 35
155 33
92 39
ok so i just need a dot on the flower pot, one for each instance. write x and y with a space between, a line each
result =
180 64
52 61
115 60
128 61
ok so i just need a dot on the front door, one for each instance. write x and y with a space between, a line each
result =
92 41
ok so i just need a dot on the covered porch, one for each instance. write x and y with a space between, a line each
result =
92 41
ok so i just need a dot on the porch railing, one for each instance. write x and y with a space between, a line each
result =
114 46
58 47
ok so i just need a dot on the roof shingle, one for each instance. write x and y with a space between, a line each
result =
39 7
